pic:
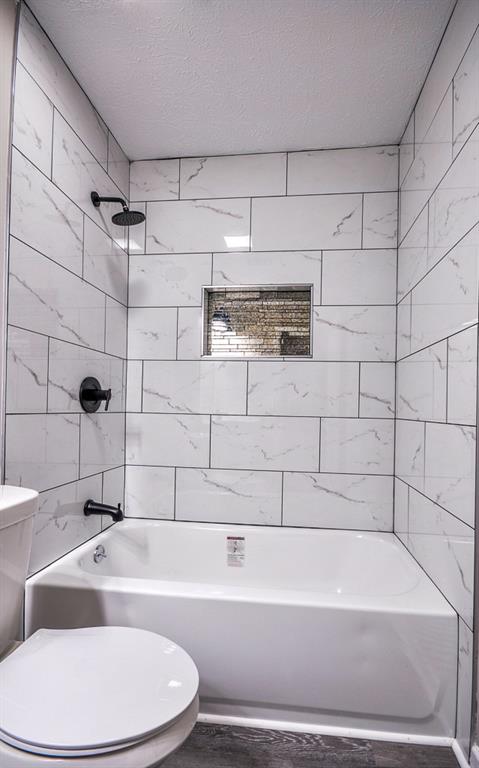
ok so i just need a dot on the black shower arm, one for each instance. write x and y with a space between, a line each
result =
96 200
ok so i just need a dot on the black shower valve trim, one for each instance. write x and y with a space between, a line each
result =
91 395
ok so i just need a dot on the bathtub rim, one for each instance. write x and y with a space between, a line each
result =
66 570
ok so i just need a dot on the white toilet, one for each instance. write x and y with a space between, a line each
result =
104 697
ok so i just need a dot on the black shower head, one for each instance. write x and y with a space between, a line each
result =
125 218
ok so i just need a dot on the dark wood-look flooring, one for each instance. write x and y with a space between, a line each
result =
220 746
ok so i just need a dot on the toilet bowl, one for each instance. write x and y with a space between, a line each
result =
106 697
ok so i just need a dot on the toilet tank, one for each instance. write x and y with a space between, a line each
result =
17 508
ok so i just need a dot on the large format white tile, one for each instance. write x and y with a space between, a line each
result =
137 234
306 223
338 501
264 442
101 442
115 327
422 385
150 492
152 333
228 496
189 333
69 364
380 220
406 149
134 378
77 172
403 320
462 377
113 491
410 203
412 255
168 280
376 390
464 687
41 450
154 180
167 439
466 95
304 388
27 365
43 217
191 226
401 510
445 302
270 268
450 466
32 121
359 277
105 263
354 333
454 205
206 386
46 298
455 41
60 524
432 159
118 166
410 450
360 446
444 547
41 59
233 176
368 169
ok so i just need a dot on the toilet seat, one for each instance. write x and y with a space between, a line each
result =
91 691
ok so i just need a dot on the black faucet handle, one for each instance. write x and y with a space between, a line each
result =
91 395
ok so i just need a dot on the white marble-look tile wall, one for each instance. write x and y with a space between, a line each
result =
437 315
242 436
67 299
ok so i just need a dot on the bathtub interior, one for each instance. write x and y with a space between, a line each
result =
334 562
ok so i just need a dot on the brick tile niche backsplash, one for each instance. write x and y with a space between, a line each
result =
252 322
300 441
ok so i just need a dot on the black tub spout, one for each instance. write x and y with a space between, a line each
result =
96 508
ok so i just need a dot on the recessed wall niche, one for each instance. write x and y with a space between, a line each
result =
257 321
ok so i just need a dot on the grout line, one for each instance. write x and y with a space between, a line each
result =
362 221
282 498
359 391
320 432
209 448
174 493
52 143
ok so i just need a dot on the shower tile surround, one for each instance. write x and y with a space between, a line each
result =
294 442
302 441
67 308
438 262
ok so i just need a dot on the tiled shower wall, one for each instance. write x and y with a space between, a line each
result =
437 330
300 442
67 300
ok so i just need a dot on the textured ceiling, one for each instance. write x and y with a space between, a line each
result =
201 77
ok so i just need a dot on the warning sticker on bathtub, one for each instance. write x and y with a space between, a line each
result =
235 551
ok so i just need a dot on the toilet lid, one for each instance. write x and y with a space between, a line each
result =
92 690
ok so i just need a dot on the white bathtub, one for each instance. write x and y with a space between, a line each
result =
321 629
